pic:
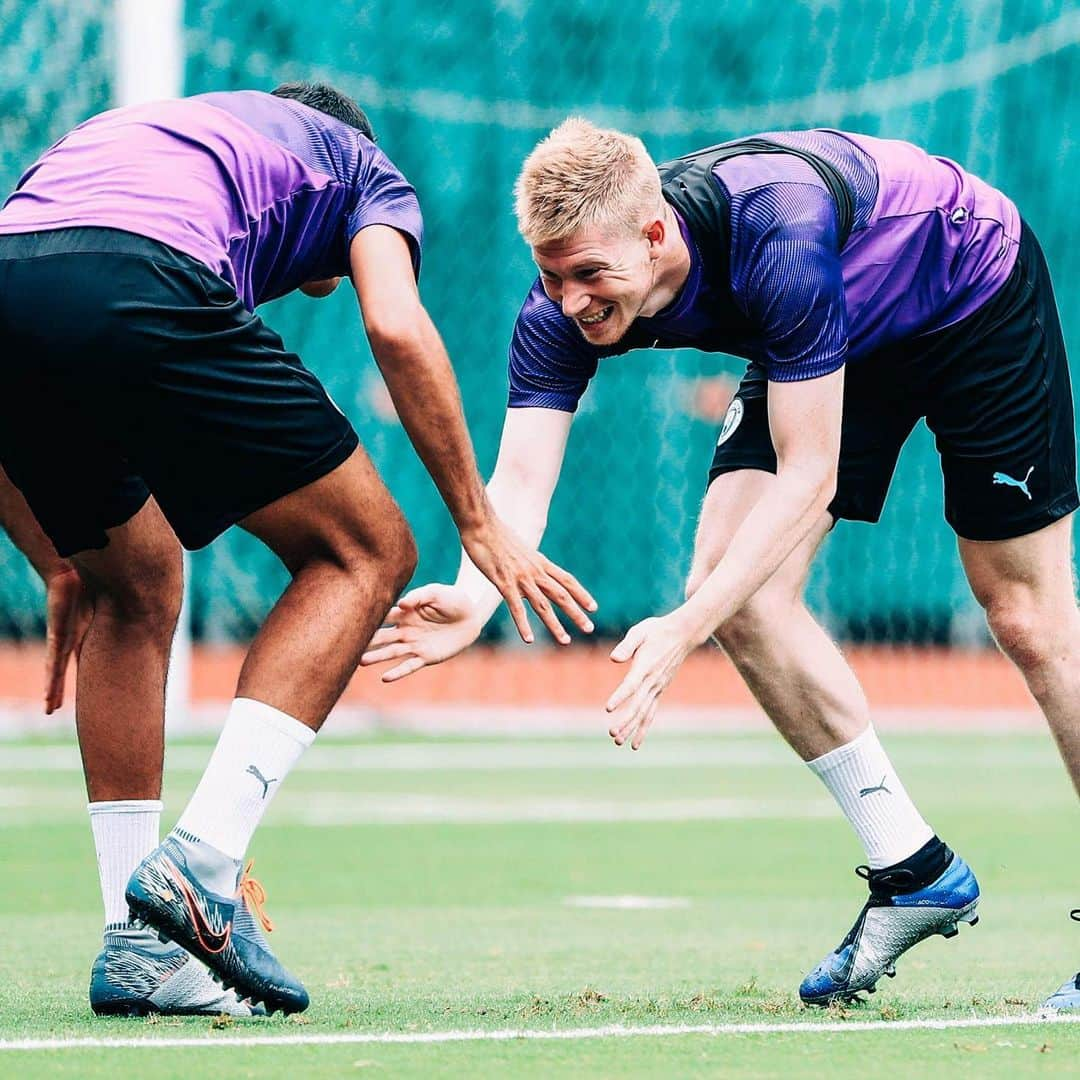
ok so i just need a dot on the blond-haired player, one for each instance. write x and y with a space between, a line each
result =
869 284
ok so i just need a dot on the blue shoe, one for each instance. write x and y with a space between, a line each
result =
218 930
889 924
1067 996
135 975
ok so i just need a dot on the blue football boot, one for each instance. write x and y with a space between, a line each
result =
221 931
135 975
894 918
1067 997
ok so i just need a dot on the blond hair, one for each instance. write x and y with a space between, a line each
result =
583 176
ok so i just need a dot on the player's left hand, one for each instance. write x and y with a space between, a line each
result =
657 647
67 615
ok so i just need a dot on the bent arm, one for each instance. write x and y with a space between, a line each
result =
531 452
416 369
805 422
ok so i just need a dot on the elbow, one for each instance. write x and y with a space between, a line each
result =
812 486
389 342
827 490
396 333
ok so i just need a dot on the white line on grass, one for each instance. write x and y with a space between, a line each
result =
628 903
610 1031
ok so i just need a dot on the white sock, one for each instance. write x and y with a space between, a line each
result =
861 779
257 748
125 832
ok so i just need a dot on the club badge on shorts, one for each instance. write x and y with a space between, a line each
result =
732 419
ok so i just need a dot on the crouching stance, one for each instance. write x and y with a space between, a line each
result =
143 405
868 284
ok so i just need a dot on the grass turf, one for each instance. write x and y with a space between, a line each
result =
438 926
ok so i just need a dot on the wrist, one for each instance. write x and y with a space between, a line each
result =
54 569
696 623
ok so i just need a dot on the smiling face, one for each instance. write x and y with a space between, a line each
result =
601 281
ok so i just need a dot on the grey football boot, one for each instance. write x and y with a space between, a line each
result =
135 975
1067 997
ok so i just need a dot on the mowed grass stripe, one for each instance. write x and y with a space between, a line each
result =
596 753
418 808
609 1032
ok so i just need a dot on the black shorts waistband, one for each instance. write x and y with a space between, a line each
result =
89 239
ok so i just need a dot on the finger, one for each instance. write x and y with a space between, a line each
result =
628 646
395 614
387 652
425 594
56 659
555 592
402 670
539 603
385 635
517 613
621 728
629 713
625 690
571 584
646 723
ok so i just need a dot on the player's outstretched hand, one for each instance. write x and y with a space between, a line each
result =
67 616
519 572
427 626
657 647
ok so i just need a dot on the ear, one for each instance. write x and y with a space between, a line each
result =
655 232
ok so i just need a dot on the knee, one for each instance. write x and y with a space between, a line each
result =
402 557
1019 628
390 555
149 594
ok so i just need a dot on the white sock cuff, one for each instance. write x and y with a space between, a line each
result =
126 806
248 709
868 740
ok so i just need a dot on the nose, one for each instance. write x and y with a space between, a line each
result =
575 301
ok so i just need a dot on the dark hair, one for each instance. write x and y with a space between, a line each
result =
327 100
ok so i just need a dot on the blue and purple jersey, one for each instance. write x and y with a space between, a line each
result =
929 244
265 191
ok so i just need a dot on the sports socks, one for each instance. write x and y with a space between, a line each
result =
125 832
864 784
256 750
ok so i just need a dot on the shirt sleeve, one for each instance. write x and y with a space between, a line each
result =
785 273
385 197
550 362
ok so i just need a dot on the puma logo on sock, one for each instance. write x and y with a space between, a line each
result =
863 792
254 770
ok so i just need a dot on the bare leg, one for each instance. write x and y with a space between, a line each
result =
120 699
1026 587
792 667
350 552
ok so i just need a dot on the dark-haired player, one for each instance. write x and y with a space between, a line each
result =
144 405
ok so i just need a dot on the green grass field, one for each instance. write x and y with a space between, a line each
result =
437 886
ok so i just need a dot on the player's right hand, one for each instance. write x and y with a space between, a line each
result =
427 626
522 574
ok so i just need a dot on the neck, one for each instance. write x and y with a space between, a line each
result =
671 269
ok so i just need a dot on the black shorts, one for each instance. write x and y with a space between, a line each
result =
995 391
129 369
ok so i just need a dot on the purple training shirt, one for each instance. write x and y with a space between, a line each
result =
265 191
930 243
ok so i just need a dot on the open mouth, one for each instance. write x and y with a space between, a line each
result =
600 317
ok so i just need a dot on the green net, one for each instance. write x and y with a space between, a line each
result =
460 93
